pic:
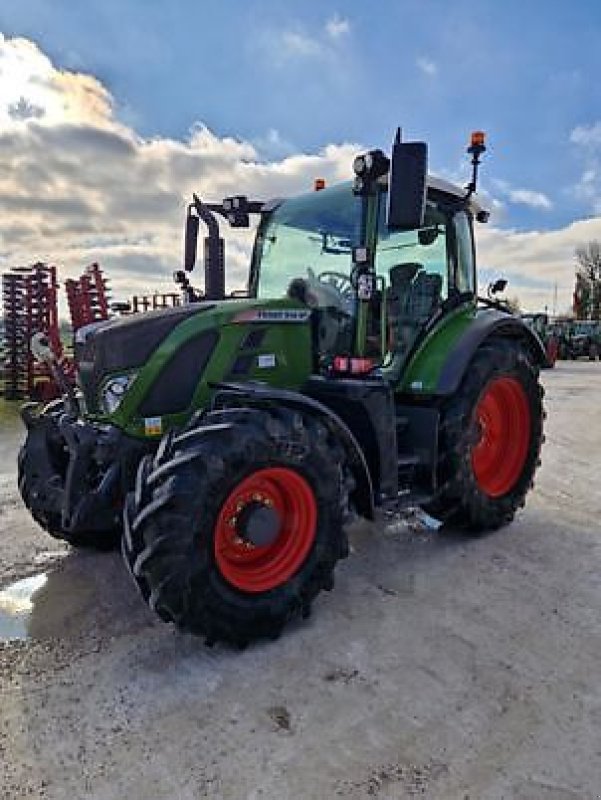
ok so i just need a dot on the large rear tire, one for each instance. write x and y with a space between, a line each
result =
491 436
236 524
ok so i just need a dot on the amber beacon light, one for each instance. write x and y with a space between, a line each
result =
477 139
476 148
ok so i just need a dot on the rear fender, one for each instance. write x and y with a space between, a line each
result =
491 323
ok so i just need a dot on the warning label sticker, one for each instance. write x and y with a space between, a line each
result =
153 426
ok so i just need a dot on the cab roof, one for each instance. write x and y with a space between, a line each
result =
446 187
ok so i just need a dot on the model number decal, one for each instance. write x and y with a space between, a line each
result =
274 315
153 426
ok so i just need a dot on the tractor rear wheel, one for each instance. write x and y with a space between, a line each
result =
237 523
491 435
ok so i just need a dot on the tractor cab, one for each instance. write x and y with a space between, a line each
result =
306 249
377 260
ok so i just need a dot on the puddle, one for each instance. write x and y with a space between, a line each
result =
64 602
17 604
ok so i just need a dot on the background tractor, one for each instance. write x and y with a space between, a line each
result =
584 340
546 332
227 442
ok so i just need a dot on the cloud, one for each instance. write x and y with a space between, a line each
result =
78 185
526 197
298 43
83 186
427 66
529 198
588 135
534 260
272 145
337 26
30 86
588 188
24 109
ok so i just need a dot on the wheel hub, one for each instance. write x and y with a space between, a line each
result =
258 524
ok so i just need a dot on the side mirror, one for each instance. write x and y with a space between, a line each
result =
191 241
407 185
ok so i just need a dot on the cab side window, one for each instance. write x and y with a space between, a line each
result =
465 267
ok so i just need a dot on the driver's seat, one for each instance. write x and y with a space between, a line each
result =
414 296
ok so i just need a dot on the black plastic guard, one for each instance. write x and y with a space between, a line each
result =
367 409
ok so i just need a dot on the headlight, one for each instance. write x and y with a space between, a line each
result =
114 390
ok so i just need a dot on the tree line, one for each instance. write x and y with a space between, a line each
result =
587 291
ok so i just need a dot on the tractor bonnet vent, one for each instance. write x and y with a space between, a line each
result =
173 389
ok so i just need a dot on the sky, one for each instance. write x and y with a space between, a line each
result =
112 113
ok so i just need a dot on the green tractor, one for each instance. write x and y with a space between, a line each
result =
227 442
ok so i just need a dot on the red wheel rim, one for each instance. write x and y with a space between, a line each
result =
503 419
254 568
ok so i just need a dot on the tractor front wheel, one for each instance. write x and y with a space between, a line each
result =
237 523
491 435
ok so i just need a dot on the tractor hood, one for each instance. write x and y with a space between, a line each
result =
124 343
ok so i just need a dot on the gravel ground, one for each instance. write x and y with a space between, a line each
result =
440 667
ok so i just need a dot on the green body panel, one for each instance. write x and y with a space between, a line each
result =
289 342
422 373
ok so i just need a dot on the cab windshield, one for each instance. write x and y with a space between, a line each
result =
310 238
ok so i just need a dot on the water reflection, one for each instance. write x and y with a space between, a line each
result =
16 605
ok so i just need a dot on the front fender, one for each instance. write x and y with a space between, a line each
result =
261 395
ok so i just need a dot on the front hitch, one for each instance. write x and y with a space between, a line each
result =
72 471
85 505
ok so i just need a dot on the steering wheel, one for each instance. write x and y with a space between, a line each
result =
332 290
340 282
